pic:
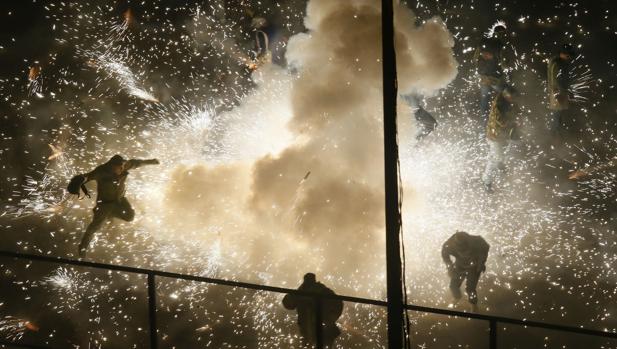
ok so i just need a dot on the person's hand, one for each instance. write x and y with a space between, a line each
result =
450 268
252 65
577 175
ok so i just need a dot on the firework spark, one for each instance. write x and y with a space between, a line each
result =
35 82
581 81
115 66
14 329
211 139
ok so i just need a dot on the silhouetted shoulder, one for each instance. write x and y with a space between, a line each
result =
480 243
99 172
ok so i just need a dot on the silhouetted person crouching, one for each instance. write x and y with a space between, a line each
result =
470 253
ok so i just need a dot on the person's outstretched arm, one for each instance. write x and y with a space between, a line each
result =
93 175
290 301
135 163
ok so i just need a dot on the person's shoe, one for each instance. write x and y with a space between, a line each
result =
82 251
473 299
488 187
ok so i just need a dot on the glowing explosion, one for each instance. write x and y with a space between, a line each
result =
262 181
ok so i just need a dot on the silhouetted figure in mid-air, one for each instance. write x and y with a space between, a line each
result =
470 253
110 180
331 310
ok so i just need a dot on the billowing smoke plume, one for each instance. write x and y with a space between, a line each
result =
340 58
313 201
330 182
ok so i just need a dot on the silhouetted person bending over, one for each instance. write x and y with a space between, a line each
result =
331 310
470 253
110 180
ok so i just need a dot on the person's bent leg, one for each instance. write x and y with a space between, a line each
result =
124 211
100 215
456 280
471 286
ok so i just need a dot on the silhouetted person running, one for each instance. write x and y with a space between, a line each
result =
110 180
470 253
331 310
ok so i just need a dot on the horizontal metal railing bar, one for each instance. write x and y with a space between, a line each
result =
511 321
448 312
172 275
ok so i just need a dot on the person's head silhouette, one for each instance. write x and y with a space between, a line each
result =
310 278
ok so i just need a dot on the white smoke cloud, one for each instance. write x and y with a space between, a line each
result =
337 111
294 175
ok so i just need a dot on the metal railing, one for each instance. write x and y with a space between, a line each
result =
152 319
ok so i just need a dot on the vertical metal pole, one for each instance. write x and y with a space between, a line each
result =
393 218
318 324
152 311
492 334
